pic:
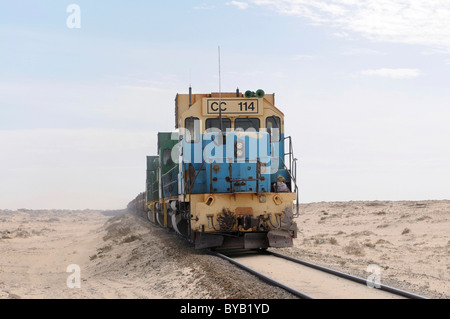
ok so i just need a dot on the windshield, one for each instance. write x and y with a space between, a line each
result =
246 123
215 123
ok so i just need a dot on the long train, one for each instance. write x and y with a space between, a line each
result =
226 178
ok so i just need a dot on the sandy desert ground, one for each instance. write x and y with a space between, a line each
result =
408 240
123 256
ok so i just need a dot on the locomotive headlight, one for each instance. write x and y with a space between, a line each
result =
240 149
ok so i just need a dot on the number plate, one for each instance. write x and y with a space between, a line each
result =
231 106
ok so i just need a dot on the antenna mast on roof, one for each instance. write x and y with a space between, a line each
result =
220 98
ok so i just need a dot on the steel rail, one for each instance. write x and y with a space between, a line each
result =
392 290
261 276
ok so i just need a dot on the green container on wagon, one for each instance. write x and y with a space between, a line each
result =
169 169
152 192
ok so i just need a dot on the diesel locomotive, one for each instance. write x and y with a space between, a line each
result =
226 177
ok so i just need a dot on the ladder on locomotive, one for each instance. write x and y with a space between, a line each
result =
291 169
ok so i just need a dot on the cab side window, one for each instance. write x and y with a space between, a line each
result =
192 125
273 126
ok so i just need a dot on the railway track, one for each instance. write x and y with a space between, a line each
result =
307 280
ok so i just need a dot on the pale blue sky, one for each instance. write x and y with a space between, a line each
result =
363 85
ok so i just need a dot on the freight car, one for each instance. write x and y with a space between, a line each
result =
227 176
